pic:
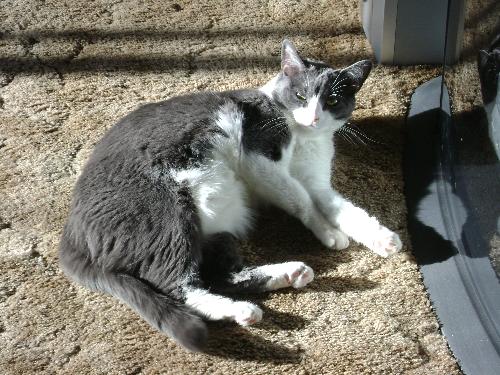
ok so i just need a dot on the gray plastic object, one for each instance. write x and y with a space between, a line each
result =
408 32
462 285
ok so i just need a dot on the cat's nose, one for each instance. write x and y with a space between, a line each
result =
315 121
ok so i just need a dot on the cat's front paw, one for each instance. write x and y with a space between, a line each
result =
341 240
335 239
386 242
246 313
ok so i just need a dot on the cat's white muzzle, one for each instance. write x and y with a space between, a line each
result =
308 116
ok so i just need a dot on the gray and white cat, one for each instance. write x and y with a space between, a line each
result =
159 205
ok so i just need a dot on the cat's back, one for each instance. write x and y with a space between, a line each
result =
162 124
181 129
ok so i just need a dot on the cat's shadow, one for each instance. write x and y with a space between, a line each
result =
280 238
235 342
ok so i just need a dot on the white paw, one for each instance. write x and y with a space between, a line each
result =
301 276
341 240
246 313
386 242
297 274
335 239
284 275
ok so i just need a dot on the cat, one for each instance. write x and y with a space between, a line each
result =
161 202
488 63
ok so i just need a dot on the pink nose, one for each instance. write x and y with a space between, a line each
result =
315 121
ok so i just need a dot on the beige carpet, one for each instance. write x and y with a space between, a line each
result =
69 70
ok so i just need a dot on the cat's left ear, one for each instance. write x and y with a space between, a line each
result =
291 63
358 73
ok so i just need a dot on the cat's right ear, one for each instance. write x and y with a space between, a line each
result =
291 63
482 58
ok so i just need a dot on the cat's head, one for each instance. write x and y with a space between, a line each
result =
313 94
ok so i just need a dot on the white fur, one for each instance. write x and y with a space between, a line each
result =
220 194
312 165
299 183
269 87
220 198
308 115
215 307
283 275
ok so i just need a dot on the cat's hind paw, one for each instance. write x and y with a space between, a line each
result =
386 242
284 275
246 313
301 276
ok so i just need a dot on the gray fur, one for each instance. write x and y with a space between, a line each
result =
134 232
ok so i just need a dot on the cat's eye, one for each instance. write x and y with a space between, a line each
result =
300 96
332 101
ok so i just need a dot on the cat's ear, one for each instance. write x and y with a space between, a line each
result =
482 58
358 73
291 63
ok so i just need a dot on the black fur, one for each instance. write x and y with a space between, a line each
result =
223 268
134 232
259 133
489 68
340 83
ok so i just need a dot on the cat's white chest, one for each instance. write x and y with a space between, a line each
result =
311 160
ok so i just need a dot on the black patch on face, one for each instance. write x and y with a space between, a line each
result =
265 131
319 79
337 88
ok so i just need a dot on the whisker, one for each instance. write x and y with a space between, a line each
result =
272 124
265 121
275 125
347 137
354 129
336 78
339 82
335 84
356 136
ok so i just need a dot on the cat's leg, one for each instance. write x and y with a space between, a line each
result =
216 307
355 222
266 278
311 165
273 183
352 221
220 257
222 270
359 225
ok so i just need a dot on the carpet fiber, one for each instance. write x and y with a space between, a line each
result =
69 70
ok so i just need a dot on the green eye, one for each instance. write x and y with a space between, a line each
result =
300 96
332 101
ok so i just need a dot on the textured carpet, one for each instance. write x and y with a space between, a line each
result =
69 70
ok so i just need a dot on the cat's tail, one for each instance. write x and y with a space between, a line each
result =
164 312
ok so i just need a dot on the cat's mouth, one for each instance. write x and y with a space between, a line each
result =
313 123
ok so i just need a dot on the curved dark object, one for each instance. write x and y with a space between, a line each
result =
446 236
